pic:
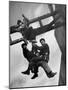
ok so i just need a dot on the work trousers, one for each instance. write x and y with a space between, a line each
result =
39 61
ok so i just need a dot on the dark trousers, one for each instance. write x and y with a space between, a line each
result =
33 67
37 62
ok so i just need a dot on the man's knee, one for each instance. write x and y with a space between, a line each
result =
43 64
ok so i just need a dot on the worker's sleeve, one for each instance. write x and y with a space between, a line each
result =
38 47
48 51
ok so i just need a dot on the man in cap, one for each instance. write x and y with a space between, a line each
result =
16 28
29 55
42 59
44 53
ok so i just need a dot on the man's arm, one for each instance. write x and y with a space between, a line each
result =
38 47
48 51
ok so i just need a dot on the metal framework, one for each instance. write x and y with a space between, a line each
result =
41 29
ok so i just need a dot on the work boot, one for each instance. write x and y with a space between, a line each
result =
51 74
26 72
34 76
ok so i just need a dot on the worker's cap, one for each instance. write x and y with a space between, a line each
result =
19 21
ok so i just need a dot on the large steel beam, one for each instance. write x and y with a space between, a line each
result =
41 30
13 29
16 41
42 17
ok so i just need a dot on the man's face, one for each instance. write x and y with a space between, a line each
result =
42 42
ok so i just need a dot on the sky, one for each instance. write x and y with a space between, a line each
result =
17 61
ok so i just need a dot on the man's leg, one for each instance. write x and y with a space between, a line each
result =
47 69
35 60
31 67
35 67
27 71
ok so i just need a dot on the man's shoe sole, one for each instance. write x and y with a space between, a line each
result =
34 77
53 75
25 73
